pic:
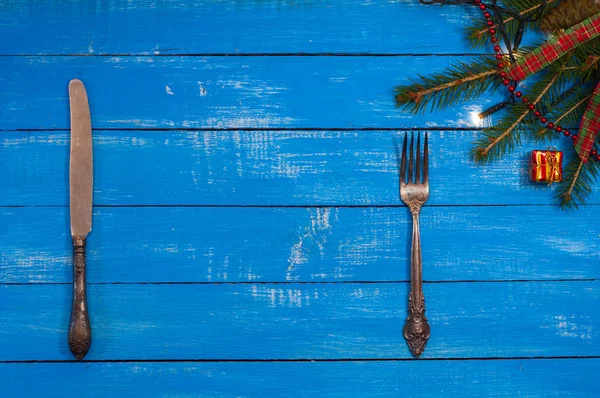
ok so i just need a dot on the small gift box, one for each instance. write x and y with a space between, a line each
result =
546 166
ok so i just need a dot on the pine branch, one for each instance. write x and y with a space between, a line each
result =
568 110
460 82
561 90
478 36
567 195
587 59
592 62
569 116
576 186
422 93
506 133
523 5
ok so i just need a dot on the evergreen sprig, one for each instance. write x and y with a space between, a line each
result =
478 35
562 90
567 112
506 135
460 82
576 186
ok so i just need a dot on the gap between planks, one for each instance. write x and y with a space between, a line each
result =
299 360
309 282
262 54
256 129
325 206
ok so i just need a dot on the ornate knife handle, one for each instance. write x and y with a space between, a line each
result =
416 328
80 331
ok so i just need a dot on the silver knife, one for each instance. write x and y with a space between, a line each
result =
80 182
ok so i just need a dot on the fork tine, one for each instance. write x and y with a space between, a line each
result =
426 162
411 160
403 162
418 168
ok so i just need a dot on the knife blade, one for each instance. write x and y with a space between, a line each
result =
81 190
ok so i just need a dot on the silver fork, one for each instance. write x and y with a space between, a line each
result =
414 192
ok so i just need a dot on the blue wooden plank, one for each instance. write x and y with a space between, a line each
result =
261 168
222 92
295 321
263 321
208 26
567 377
131 245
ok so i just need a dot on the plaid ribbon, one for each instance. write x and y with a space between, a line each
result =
590 125
554 48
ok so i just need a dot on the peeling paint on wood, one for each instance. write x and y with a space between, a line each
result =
333 379
304 168
294 321
295 246
243 92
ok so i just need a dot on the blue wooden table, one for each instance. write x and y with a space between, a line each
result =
248 236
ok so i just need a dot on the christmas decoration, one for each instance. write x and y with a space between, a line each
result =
546 166
567 14
590 125
555 48
564 84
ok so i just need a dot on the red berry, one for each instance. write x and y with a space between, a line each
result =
490 23
598 158
497 49
531 107
506 82
544 120
574 137
502 75
525 100
594 152
494 40
499 56
487 14
567 133
500 65
482 6
511 89
559 129
537 114
492 32
518 94
550 125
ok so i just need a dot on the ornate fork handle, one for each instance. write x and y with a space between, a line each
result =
416 328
